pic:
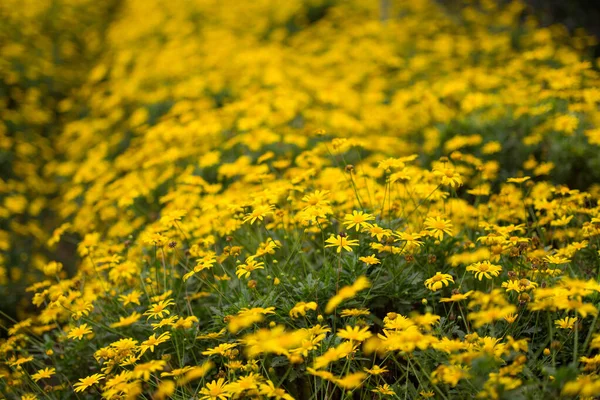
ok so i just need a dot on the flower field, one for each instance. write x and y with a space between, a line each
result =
308 199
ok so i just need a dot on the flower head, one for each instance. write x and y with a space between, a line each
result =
88 381
484 269
215 390
438 281
437 227
79 331
357 220
342 242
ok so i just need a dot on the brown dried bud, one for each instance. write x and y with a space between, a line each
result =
555 345
524 282
524 298
349 168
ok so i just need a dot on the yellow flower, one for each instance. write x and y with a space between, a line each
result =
449 374
244 270
456 297
52 268
491 314
333 354
165 389
563 221
126 321
275 340
143 371
565 323
158 309
222 349
357 219
268 389
438 281
169 321
370 260
377 231
448 176
356 333
212 335
185 323
438 226
170 218
426 320
491 147
347 292
484 269
215 390
586 386
557 260
196 372
510 318
153 341
412 239
259 213
301 309
79 331
341 242
244 383
384 389
376 370
131 298
154 238
354 312
247 317
43 374
351 381
176 372
19 361
518 180
88 381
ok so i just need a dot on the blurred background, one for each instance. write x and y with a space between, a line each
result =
50 49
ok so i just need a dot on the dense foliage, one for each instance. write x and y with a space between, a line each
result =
312 199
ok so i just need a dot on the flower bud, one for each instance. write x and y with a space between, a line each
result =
546 351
